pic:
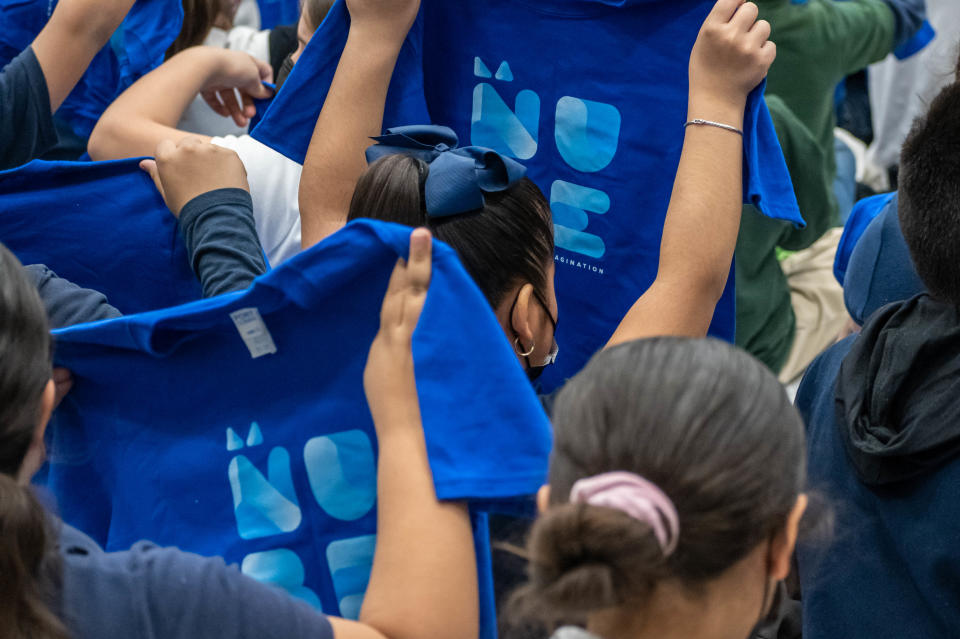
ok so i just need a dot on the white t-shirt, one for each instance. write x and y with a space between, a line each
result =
199 117
248 14
274 186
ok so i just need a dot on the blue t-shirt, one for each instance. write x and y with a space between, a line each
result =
100 225
237 426
592 96
150 592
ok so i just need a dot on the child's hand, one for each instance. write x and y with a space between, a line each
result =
183 171
732 54
236 73
388 19
388 379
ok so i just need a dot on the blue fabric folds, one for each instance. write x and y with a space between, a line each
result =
136 48
458 177
101 225
865 211
176 433
274 13
288 123
880 270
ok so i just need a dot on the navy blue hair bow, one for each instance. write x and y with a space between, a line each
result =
458 177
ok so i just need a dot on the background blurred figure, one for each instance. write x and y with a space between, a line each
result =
900 90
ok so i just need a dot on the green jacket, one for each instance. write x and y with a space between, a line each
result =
819 44
765 319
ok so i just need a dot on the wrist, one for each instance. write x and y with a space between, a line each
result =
718 108
377 39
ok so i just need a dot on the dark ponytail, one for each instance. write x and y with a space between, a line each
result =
508 242
28 574
588 558
706 423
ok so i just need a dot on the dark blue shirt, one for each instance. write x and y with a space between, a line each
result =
26 123
149 592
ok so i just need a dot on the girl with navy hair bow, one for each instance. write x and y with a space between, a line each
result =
499 222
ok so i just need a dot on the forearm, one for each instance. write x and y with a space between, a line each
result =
150 110
351 115
77 30
424 579
221 238
700 231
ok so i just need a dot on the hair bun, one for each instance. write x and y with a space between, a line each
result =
585 558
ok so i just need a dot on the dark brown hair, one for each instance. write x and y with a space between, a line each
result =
315 11
26 572
508 242
199 17
929 205
705 422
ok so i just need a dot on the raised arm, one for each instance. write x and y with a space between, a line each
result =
148 112
205 187
77 30
424 579
352 113
731 56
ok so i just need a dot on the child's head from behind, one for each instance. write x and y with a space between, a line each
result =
506 246
693 423
26 389
929 204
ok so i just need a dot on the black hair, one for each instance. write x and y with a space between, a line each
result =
27 572
929 205
508 242
705 422
25 361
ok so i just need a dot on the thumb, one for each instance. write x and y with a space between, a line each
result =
259 91
150 168
266 71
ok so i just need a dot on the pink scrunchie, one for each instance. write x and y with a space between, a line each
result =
635 496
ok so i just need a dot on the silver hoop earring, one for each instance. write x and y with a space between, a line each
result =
516 346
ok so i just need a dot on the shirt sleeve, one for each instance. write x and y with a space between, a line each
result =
909 16
861 32
27 129
193 596
221 238
66 303
275 187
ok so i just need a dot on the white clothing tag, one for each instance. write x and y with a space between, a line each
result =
254 332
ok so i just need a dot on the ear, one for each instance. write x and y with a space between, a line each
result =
543 498
781 550
37 452
521 321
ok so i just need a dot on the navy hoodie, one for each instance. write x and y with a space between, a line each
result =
883 420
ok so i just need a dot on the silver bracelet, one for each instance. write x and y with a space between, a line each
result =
725 127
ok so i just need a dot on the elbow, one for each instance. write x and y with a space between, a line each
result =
99 145
711 286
